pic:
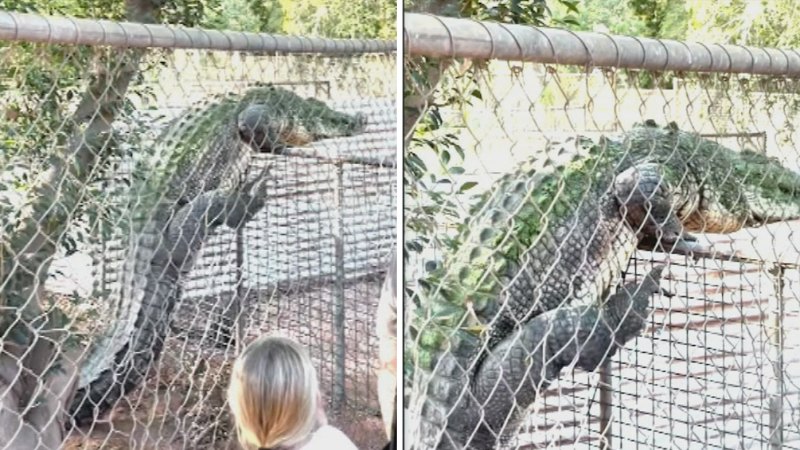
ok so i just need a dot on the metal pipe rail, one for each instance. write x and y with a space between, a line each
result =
73 31
304 152
447 37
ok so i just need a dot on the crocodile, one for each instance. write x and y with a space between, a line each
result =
549 242
197 184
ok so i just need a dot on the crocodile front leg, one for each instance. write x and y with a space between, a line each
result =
191 225
527 362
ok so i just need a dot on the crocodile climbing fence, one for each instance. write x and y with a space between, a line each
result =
716 364
115 130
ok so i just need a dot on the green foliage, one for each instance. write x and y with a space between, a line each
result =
436 140
768 23
341 18
531 12
610 16
269 14
432 137
662 18
238 15
104 9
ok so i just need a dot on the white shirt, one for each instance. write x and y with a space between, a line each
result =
329 438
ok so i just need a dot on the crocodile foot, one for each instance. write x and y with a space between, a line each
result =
248 199
686 244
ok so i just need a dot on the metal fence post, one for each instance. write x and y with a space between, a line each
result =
102 268
776 340
236 321
606 402
338 306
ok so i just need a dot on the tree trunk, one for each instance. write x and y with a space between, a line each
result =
37 373
416 102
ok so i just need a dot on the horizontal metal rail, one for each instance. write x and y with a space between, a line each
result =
436 36
72 31
374 161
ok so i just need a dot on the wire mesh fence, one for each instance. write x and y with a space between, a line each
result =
171 193
544 180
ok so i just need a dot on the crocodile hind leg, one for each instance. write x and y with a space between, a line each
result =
646 204
176 251
524 364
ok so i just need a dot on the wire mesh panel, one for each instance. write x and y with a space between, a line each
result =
534 320
169 204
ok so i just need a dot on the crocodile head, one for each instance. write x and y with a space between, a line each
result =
282 119
740 189
716 189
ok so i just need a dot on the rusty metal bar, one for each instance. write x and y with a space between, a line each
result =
724 135
73 31
761 135
444 37
716 253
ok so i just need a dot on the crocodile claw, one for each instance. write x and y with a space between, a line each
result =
685 244
667 293
256 186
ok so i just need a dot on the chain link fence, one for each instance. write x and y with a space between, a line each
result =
536 188
171 193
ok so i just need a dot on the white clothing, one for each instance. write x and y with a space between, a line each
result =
329 438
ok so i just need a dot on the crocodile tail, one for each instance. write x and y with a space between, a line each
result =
120 358
447 411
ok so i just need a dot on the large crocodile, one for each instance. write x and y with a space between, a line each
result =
556 234
198 185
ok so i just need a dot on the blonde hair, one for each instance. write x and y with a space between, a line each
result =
273 393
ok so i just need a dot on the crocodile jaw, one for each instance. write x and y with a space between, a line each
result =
345 126
338 125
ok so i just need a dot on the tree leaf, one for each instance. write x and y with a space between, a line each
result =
467 186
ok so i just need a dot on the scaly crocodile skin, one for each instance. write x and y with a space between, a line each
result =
179 204
559 231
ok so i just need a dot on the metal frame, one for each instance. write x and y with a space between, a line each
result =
435 36
72 31
446 37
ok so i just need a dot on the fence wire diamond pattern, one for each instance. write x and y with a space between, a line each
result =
166 205
599 257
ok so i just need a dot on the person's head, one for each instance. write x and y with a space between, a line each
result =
273 393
